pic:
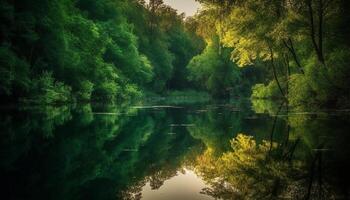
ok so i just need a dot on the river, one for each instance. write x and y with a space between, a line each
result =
178 150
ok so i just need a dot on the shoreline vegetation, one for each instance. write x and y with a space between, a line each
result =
60 51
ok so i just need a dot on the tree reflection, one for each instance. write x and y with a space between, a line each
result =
91 151
303 162
248 171
113 151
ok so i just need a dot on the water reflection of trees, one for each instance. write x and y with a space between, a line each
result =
249 171
81 152
303 163
98 151
253 171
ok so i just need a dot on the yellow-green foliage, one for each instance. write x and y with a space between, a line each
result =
247 171
279 33
321 84
262 91
300 92
264 106
213 71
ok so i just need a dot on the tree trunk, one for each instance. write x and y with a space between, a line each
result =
291 49
275 74
286 60
318 47
320 29
274 127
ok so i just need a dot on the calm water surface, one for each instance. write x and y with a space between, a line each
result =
171 151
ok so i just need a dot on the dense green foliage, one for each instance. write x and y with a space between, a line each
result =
61 50
213 71
304 45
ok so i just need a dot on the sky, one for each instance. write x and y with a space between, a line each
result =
189 7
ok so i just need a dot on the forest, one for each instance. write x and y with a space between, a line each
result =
60 51
138 99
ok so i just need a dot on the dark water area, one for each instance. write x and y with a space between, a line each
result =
210 150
